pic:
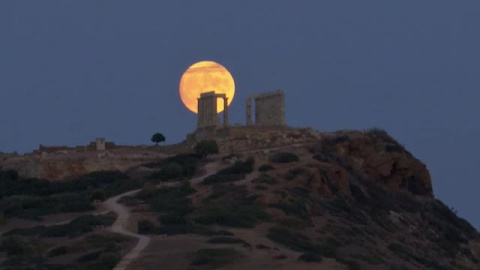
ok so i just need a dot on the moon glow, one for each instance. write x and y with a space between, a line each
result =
205 76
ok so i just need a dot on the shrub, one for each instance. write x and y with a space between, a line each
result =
89 257
260 187
173 219
227 240
16 246
108 260
284 157
293 240
222 190
206 147
266 168
74 228
293 223
310 257
291 174
170 171
293 209
239 167
58 251
98 194
145 226
190 229
172 199
265 179
260 246
214 258
222 178
233 214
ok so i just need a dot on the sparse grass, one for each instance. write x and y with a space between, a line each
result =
214 258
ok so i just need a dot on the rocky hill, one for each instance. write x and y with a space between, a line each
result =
286 199
350 200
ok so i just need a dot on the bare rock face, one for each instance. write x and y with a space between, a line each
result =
383 160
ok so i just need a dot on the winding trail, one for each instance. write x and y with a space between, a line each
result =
124 213
119 227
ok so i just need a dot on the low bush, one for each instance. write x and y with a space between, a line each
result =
222 178
214 258
260 187
16 246
173 219
77 227
266 168
260 246
227 240
108 260
58 251
284 157
233 214
293 173
293 209
190 229
170 171
146 226
265 179
310 257
239 167
291 239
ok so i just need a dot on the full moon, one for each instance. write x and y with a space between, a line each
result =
205 76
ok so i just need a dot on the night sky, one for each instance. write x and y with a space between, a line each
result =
71 71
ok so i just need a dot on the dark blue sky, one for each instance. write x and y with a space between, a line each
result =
71 71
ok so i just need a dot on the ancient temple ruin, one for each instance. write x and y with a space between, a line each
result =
207 110
269 109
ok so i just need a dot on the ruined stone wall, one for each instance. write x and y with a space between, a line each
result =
270 109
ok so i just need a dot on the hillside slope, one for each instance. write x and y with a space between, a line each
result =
351 200
288 199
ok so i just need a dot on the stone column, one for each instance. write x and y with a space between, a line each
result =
225 111
249 111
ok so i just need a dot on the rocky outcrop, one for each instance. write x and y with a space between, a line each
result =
382 159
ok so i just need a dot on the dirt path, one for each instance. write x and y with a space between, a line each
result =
119 227
124 213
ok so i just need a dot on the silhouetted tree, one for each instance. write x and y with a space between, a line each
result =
158 138
205 147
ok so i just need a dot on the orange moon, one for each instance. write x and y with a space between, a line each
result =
205 76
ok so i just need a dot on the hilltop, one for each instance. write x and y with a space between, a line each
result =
277 198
